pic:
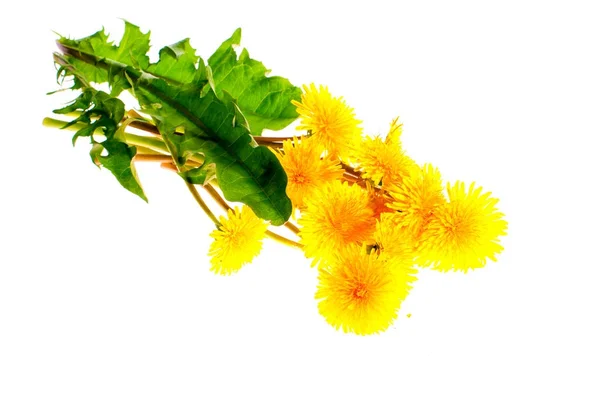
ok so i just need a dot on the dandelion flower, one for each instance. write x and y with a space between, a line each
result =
331 122
336 216
237 241
392 239
417 198
464 232
384 162
361 293
306 169
393 135
380 201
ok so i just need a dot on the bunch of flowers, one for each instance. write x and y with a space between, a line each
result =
364 213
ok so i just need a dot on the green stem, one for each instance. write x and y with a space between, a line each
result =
202 204
260 139
147 151
217 198
59 124
285 241
153 143
292 227
158 145
142 157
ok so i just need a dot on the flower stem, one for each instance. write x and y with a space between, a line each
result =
142 157
161 154
153 143
156 144
58 124
261 139
285 241
201 202
350 170
215 195
276 145
147 151
292 227
145 126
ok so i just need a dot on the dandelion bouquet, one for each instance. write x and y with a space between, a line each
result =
364 213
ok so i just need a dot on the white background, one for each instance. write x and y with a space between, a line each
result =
102 295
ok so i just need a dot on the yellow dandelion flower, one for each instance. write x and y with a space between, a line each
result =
392 239
237 241
306 169
464 232
417 198
361 293
393 135
379 201
331 122
336 215
384 162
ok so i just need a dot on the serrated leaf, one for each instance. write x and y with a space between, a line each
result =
132 50
193 119
247 174
179 63
98 111
266 102
101 111
119 160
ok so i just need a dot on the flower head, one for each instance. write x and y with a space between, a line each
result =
360 292
237 240
306 169
393 135
463 233
417 198
331 122
336 216
392 239
384 161
380 200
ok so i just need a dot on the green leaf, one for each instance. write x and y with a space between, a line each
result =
192 118
264 101
102 112
99 111
200 175
179 63
119 160
246 173
131 51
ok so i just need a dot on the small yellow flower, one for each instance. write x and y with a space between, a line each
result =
417 198
237 241
306 169
331 122
384 162
336 216
464 232
361 293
